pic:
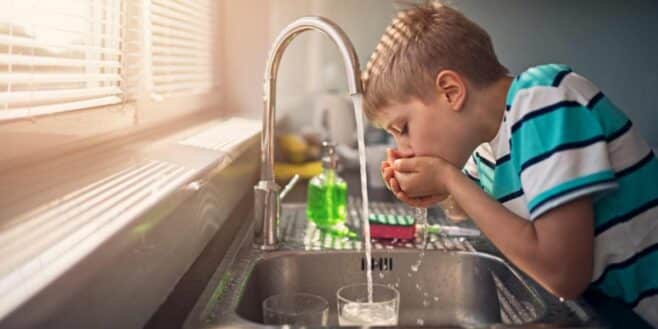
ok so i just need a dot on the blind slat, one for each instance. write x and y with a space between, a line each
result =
181 43
180 8
8 40
54 61
160 14
20 113
53 95
55 77
158 20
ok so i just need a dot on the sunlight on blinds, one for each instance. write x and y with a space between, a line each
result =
181 46
59 55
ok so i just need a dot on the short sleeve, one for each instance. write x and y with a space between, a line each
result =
558 148
471 169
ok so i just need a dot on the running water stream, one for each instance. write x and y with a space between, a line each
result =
360 132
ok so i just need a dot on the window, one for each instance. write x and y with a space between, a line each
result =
58 56
65 55
181 45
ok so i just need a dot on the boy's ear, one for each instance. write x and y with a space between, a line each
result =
451 89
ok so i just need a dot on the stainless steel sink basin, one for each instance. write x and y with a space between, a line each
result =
448 289
455 285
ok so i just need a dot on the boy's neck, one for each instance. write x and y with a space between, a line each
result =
493 100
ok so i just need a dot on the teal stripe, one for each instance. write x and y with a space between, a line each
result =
546 132
630 281
542 75
635 189
573 184
486 176
507 180
609 116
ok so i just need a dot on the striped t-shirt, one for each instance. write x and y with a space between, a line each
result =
561 138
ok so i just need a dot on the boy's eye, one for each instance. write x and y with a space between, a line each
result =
403 130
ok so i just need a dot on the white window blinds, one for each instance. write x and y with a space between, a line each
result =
59 55
181 46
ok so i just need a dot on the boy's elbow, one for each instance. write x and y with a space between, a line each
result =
568 284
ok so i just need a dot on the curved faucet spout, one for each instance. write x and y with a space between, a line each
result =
267 191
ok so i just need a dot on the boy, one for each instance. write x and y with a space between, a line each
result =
553 173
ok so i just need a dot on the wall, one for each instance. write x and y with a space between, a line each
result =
613 43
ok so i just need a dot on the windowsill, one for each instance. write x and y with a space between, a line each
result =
54 213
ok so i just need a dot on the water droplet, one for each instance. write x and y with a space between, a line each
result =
425 294
426 303
561 300
418 286
414 267
420 322
397 285
409 274
381 275
436 298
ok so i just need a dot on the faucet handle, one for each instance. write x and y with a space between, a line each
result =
293 181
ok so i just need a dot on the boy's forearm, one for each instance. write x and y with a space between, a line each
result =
513 235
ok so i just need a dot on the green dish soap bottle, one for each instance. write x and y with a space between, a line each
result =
327 195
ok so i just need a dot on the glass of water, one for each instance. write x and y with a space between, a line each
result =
296 308
355 310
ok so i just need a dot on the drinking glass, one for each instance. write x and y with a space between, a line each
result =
295 308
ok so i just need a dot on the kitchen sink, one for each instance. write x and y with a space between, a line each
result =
454 282
447 289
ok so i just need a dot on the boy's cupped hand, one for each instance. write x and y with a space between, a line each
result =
414 179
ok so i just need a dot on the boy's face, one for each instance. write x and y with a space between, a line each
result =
427 130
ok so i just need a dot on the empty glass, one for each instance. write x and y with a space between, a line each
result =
295 308
355 310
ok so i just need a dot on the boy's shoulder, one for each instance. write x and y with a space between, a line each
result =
546 75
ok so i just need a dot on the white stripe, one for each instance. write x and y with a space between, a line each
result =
564 166
500 144
471 168
624 240
519 206
648 310
585 90
571 196
627 149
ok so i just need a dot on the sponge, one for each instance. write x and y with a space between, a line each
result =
392 226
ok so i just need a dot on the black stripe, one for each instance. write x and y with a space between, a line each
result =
567 191
559 77
502 159
485 161
544 110
645 294
626 263
562 147
592 102
625 217
621 131
637 166
510 196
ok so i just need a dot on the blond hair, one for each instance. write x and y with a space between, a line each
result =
420 42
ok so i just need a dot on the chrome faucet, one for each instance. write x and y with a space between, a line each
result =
267 192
